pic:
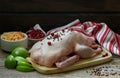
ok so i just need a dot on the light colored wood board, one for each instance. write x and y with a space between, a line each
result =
81 64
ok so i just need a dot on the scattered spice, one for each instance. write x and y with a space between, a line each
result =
61 33
57 36
60 38
41 43
105 71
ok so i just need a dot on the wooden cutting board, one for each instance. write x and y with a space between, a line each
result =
99 59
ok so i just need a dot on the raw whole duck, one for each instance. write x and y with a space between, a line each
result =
63 48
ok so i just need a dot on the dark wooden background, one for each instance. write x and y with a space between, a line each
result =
20 15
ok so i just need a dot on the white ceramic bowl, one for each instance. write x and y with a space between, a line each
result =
9 45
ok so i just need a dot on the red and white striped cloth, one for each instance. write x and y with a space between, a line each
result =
99 32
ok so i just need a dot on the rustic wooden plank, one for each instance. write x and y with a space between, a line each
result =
112 5
59 5
23 22
43 5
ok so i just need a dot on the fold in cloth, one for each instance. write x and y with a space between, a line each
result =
99 32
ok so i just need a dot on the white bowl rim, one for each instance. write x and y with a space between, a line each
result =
15 40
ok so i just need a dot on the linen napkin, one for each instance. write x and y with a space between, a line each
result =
99 32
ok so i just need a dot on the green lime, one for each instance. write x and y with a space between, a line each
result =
10 62
19 58
20 51
25 68
22 63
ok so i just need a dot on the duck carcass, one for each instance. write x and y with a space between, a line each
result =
63 48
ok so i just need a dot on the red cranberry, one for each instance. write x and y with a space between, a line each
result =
49 43
63 30
56 36
52 34
35 33
104 55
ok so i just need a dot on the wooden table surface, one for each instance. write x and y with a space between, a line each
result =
81 73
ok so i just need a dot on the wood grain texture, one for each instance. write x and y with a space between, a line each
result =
59 5
22 14
22 22
50 6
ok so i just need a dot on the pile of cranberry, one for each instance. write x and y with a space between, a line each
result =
35 33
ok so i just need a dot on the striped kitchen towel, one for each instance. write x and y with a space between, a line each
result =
99 32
